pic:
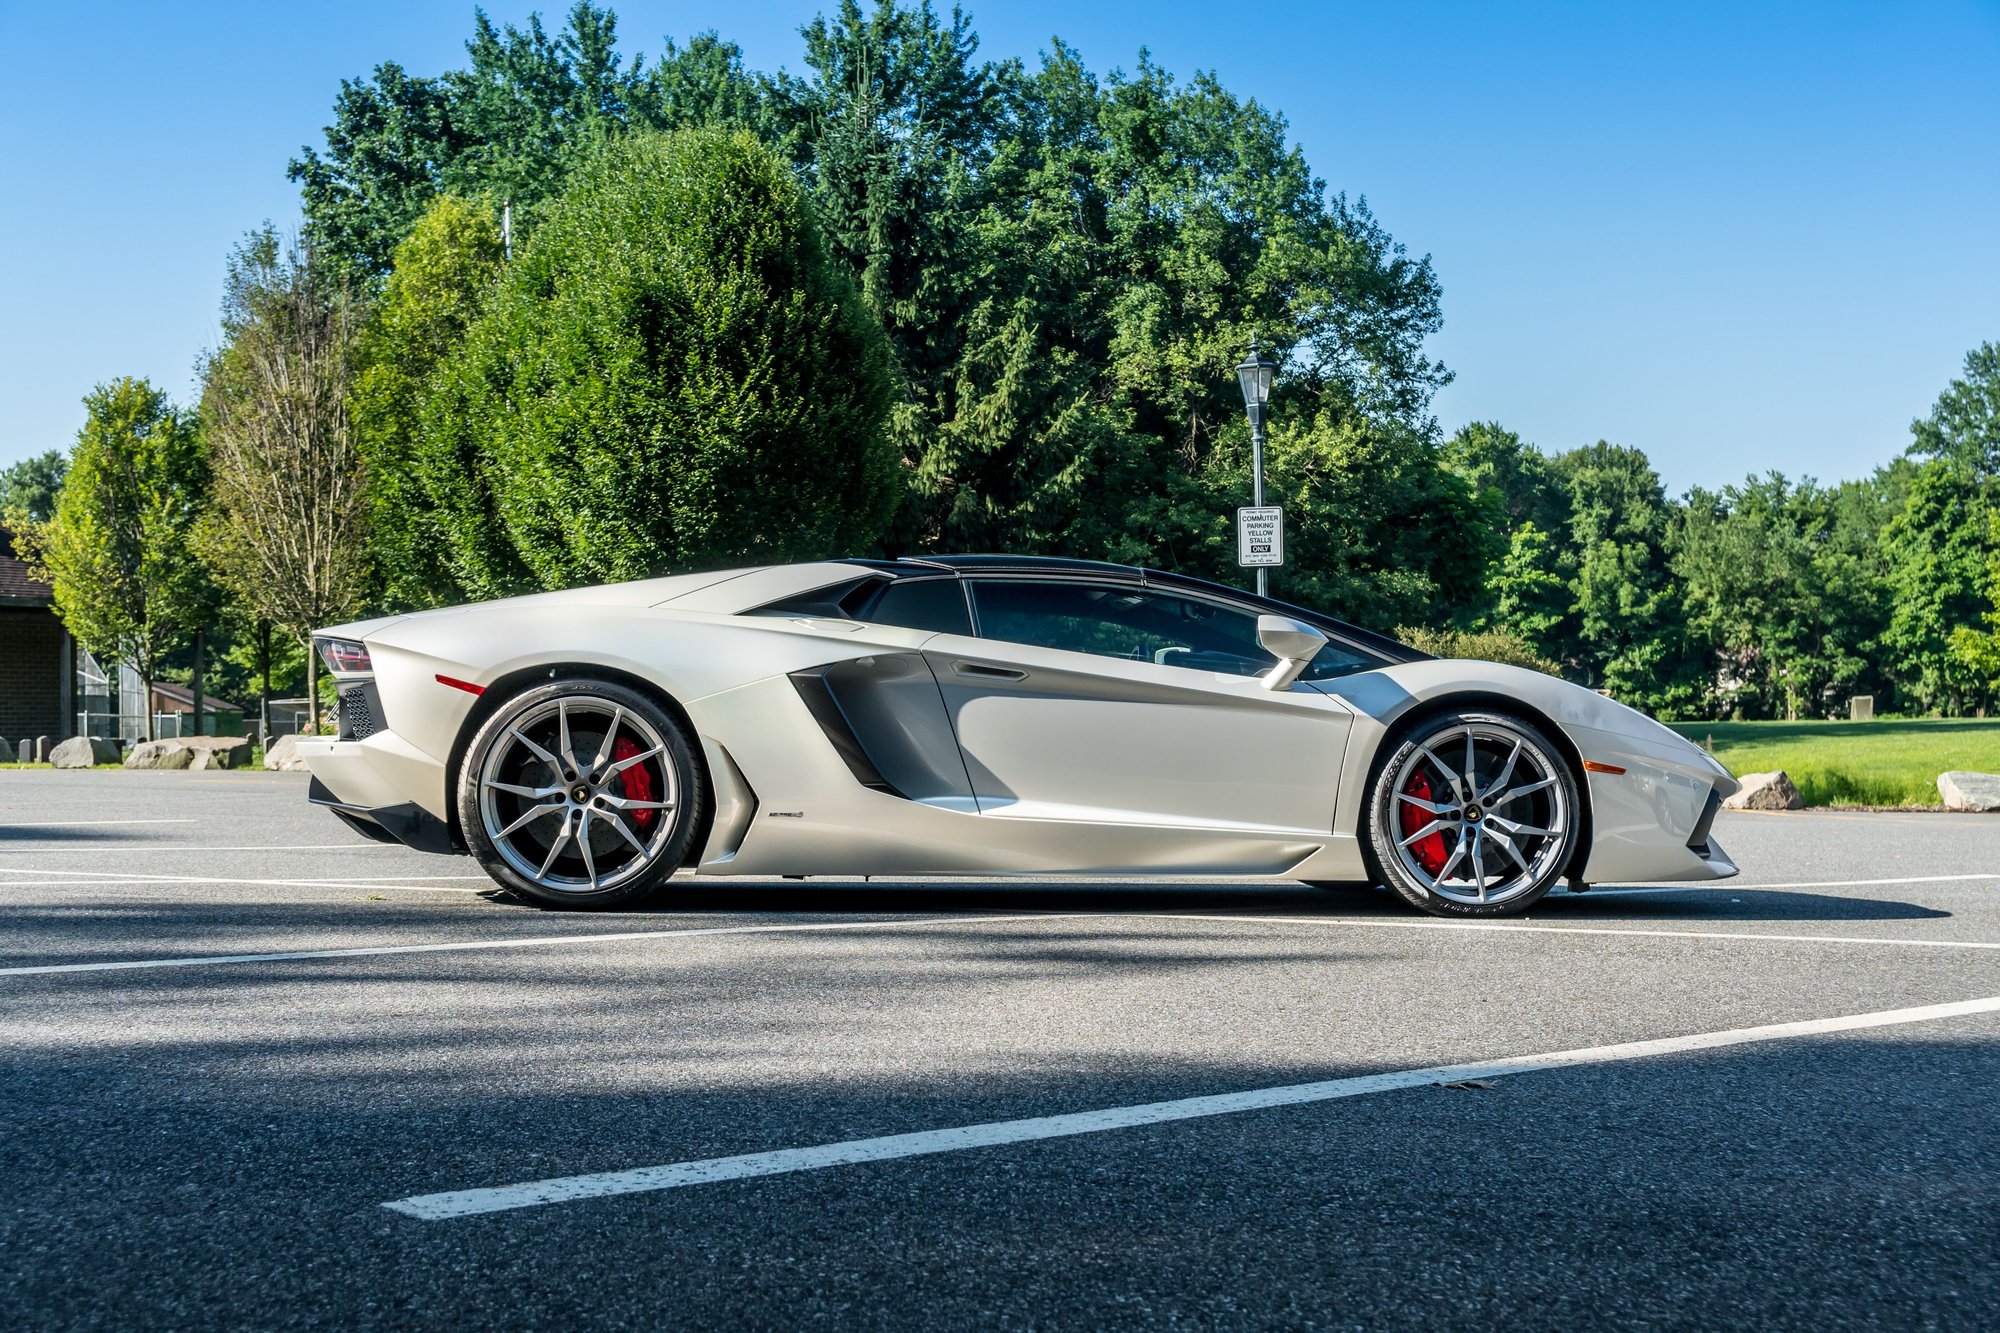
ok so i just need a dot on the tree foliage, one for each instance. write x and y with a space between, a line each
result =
288 530
117 549
445 271
28 489
674 374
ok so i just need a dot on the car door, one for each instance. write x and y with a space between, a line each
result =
1095 701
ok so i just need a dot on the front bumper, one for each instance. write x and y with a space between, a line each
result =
1653 819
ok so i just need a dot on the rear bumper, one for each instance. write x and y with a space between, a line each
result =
382 787
408 823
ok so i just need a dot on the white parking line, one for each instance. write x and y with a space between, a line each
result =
80 878
783 1161
68 849
90 823
1731 885
378 950
1496 927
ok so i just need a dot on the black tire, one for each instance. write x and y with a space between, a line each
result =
1555 803
508 759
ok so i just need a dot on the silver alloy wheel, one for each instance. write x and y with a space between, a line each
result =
553 795
1496 806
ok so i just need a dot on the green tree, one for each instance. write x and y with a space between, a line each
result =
1937 550
28 489
674 373
288 531
1531 597
1963 427
445 271
1631 634
1977 651
117 550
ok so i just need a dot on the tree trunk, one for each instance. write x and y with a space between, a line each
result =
312 687
264 668
200 644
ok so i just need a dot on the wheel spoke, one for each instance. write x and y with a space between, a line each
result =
537 751
530 817
1444 871
1479 862
1529 830
1457 789
570 768
1506 769
1423 832
555 848
627 803
583 845
1519 792
610 735
625 833
641 757
1507 845
1471 769
530 793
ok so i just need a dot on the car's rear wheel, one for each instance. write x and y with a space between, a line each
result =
580 794
1473 814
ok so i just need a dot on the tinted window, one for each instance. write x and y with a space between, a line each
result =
1111 620
932 604
1334 660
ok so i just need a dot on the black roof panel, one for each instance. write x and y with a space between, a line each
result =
912 566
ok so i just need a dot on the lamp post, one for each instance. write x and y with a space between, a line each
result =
1254 374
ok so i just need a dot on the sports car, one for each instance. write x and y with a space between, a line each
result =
988 715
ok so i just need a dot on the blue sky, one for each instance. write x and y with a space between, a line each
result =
1739 237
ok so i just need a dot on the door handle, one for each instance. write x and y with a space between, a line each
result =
980 671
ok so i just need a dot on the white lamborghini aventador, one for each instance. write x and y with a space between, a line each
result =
988 715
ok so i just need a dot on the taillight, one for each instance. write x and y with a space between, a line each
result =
344 657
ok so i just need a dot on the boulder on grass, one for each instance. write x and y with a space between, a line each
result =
1970 791
283 756
218 751
1766 791
84 752
159 754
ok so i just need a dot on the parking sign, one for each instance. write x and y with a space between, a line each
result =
1260 535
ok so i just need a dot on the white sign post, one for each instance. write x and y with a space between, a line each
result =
1260 536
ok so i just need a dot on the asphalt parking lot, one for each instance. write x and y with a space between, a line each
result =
258 1072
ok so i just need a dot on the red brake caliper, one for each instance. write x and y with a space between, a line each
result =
1428 851
637 785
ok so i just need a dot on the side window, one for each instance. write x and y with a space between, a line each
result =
1110 620
1334 661
930 604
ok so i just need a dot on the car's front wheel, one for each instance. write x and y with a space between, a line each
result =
580 794
1473 814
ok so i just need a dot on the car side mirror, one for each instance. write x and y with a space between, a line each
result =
1293 642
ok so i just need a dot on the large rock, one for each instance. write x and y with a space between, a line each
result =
1970 791
84 752
1766 791
283 756
159 754
218 751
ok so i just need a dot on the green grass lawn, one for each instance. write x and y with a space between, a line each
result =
1892 761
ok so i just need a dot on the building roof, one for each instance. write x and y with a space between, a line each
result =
182 694
17 587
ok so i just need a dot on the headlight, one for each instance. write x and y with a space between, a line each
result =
344 657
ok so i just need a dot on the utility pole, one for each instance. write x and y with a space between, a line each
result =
1260 530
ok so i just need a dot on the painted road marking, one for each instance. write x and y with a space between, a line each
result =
77 878
371 951
121 848
1498 928
783 1161
90 823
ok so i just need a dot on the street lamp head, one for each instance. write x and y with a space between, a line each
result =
1254 374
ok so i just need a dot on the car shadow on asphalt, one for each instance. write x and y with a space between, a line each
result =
842 897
